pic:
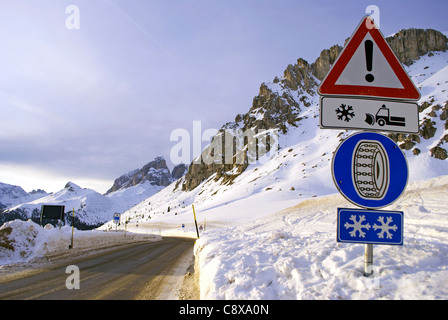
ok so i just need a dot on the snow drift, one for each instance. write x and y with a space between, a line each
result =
293 254
25 241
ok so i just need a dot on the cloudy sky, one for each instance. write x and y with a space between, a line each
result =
91 101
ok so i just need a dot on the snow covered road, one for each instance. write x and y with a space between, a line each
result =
145 270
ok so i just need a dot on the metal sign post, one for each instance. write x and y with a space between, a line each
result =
368 259
367 88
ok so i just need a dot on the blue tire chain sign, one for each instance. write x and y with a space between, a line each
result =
370 226
370 170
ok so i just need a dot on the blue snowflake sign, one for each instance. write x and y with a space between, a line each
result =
370 226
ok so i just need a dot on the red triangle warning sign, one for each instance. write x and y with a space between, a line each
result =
368 67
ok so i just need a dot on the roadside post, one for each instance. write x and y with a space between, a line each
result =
195 222
73 230
367 89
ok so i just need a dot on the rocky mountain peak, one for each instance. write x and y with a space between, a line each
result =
279 104
410 44
325 60
72 186
156 172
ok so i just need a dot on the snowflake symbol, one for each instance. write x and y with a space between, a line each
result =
357 226
385 227
345 112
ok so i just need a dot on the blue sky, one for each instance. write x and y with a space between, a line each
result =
90 104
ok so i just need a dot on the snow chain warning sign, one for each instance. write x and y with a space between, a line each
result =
370 170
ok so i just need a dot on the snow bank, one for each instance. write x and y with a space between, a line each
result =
25 241
293 254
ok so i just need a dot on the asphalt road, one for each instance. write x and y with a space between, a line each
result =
138 271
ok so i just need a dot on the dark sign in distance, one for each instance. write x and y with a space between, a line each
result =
52 212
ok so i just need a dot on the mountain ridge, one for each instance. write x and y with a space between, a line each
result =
155 171
278 104
92 209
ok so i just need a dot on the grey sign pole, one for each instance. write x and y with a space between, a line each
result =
368 259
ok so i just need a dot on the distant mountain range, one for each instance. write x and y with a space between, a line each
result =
91 208
14 195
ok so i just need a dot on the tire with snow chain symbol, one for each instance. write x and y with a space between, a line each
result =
370 169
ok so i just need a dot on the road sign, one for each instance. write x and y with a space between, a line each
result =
368 67
370 226
370 170
368 114
52 212
116 218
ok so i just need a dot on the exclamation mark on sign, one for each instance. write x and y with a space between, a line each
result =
368 46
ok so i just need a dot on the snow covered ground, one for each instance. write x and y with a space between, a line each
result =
293 254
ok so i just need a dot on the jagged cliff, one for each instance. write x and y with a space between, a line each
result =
410 44
155 171
279 104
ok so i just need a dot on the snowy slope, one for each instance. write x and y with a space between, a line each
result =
430 74
126 198
293 254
